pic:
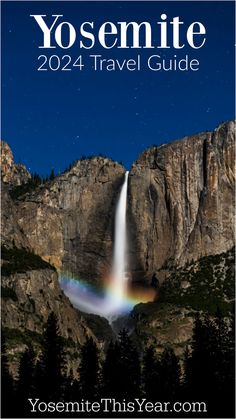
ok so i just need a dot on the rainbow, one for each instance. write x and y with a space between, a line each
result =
104 302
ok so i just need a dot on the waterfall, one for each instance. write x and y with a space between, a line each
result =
118 279
116 300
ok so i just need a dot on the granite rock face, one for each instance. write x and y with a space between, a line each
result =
204 286
37 294
28 297
163 325
63 221
11 232
181 202
69 221
12 173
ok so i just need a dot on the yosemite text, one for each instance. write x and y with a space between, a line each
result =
170 33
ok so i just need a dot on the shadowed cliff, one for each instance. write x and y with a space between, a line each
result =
181 201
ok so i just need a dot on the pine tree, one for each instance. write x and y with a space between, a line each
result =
7 387
151 374
89 370
230 368
225 364
52 175
170 375
206 374
199 360
220 350
129 366
71 388
25 383
187 378
49 369
111 372
121 373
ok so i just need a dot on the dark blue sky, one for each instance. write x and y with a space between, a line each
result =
52 118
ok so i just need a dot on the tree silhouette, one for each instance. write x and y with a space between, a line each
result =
129 367
7 388
111 372
49 369
187 378
229 380
151 374
71 388
170 375
52 175
121 373
198 365
209 369
89 370
25 383
224 364
207 360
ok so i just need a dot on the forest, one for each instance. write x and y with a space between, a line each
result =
206 374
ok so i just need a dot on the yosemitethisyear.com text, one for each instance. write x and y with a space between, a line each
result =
111 405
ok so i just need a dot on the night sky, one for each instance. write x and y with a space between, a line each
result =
52 118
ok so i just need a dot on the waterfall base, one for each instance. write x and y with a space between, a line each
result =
85 298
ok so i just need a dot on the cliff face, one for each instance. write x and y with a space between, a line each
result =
202 286
11 232
64 222
69 221
35 294
181 201
12 173
30 291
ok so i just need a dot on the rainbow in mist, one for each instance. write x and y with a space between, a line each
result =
106 302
